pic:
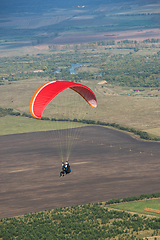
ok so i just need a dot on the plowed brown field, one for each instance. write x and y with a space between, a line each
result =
104 36
105 164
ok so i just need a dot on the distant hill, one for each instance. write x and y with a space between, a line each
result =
32 22
18 6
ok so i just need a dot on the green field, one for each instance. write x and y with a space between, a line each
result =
139 206
13 125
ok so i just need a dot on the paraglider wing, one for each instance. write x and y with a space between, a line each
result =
49 90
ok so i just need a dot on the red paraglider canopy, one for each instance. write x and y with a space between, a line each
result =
49 90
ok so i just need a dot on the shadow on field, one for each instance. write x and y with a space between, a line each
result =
105 164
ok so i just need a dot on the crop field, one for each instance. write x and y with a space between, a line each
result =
105 164
77 38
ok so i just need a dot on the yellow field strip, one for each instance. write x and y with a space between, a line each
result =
154 131
152 210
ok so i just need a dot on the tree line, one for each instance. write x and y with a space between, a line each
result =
134 198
